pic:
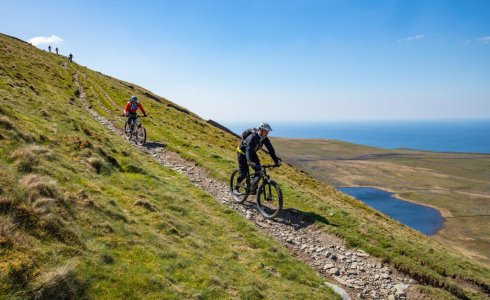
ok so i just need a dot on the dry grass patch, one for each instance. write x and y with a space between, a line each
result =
6 124
97 164
40 209
59 284
39 187
28 158
18 270
145 204
6 204
7 233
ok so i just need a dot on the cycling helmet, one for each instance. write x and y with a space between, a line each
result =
265 126
134 98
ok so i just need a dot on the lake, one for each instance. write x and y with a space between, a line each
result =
440 136
419 217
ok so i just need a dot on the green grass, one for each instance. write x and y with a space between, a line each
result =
189 239
83 214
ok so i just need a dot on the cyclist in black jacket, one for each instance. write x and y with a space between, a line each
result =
246 151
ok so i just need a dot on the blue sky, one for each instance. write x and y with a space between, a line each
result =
281 60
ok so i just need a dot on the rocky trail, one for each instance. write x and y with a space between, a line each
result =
359 275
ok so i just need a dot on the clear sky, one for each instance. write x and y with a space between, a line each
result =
282 60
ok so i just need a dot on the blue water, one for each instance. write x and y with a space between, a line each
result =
422 218
440 136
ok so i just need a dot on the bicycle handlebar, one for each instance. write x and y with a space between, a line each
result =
139 116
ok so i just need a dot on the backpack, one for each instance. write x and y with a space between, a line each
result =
248 132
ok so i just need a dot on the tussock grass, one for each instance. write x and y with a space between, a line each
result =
28 158
38 208
37 186
97 163
8 235
134 169
18 272
6 124
145 204
61 283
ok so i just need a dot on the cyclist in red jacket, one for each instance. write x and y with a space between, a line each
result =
131 108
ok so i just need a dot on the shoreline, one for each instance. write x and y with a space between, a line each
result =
444 212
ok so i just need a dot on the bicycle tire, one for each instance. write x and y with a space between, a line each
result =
269 199
127 132
242 192
140 135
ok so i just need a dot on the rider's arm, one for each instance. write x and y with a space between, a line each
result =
272 152
126 108
250 144
142 109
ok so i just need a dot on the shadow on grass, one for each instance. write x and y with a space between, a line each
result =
301 219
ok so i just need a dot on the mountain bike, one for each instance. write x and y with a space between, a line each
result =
269 194
135 131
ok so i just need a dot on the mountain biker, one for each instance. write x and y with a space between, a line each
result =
246 152
131 108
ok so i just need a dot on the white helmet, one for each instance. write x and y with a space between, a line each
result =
265 126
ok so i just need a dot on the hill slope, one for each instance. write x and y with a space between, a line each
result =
84 212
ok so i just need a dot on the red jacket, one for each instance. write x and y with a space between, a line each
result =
132 108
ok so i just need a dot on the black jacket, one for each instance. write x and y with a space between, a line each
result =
253 143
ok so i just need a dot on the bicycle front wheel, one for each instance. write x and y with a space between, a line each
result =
127 131
141 135
238 191
269 200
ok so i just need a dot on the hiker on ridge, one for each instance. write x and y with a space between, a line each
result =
252 141
56 50
49 48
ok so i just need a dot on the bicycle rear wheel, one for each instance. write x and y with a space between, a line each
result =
238 191
140 135
269 199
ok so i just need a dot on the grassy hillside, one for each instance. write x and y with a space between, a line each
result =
84 214
455 183
119 224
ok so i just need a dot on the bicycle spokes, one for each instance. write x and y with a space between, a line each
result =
269 200
238 190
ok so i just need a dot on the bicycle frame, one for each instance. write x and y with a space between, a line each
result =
136 121
260 175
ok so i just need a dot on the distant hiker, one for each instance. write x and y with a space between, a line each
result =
49 48
252 141
70 57
131 108
56 50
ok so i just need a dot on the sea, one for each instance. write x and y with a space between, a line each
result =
431 135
